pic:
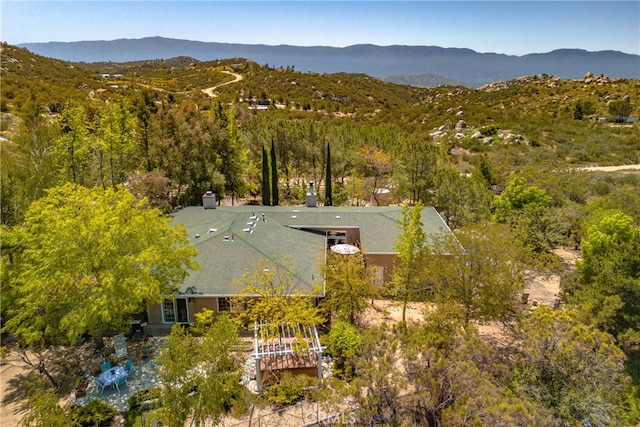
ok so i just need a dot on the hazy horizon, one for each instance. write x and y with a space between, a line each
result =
506 27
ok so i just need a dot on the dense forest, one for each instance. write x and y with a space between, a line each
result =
506 165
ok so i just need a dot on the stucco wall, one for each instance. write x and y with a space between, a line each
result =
381 260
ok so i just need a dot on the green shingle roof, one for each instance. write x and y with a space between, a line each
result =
226 252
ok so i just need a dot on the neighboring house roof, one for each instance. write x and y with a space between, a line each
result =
226 251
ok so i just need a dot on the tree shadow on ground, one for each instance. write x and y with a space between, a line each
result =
59 366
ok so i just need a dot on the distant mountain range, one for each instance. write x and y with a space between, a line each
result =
402 64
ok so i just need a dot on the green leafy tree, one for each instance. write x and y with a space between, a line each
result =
201 375
86 260
74 149
516 196
115 144
583 108
144 110
343 343
480 273
407 283
620 110
573 369
233 158
347 288
484 170
527 210
154 187
42 407
607 291
183 153
375 165
272 294
460 200
27 163
416 163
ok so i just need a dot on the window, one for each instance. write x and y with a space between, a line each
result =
224 305
336 237
376 274
175 311
168 311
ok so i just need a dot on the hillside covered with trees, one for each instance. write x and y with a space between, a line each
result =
505 165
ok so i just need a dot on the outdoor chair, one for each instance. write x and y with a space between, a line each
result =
137 331
100 385
121 381
128 366
105 366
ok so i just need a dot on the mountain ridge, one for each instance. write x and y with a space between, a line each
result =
465 65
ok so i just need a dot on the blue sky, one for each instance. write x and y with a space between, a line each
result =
510 27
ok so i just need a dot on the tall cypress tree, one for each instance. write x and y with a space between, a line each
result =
328 196
266 186
275 195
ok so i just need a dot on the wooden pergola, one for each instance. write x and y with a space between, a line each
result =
286 347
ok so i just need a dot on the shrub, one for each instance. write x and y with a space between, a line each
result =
113 359
150 396
290 389
343 343
94 413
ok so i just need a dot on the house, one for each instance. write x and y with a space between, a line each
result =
232 240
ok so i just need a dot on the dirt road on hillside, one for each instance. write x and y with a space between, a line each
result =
623 168
210 90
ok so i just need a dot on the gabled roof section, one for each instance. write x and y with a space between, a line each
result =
379 226
232 240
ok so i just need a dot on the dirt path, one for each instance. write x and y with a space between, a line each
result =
11 370
210 90
623 168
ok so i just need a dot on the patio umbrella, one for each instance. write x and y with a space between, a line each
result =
345 249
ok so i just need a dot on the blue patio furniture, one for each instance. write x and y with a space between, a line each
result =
100 384
105 366
121 380
128 366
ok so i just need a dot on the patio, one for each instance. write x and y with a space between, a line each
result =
144 375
